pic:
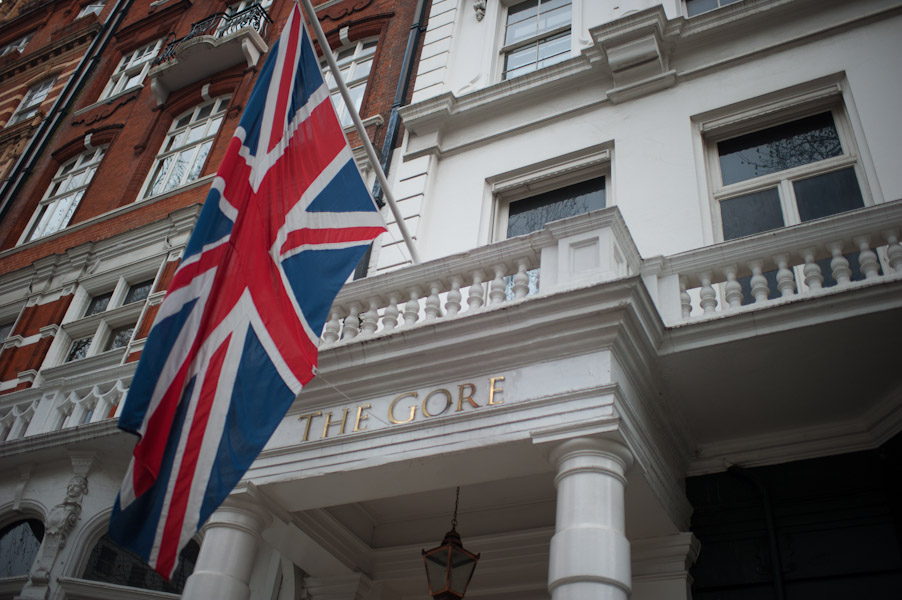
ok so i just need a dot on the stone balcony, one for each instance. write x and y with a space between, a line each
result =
694 312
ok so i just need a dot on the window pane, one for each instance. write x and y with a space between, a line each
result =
531 214
827 194
554 19
120 337
19 544
779 148
79 349
5 330
750 214
112 564
522 11
696 7
99 304
138 292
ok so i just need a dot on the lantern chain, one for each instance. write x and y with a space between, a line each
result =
456 503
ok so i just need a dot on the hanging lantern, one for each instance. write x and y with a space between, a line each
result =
450 566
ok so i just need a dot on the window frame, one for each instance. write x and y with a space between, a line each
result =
506 49
17 46
782 181
176 130
28 108
126 69
720 4
88 160
102 325
359 46
521 184
94 7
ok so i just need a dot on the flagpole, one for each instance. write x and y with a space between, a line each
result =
361 131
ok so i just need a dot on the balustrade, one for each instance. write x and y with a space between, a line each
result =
220 25
843 252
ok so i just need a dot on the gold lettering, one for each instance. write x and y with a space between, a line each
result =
493 389
329 423
447 395
309 418
361 417
469 397
413 408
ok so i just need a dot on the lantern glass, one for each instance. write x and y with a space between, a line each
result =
437 569
462 565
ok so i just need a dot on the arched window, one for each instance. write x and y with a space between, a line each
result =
111 563
19 544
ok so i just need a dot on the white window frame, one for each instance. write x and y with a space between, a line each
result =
63 195
32 101
507 49
528 182
132 66
362 51
16 46
101 325
179 143
720 4
91 8
771 114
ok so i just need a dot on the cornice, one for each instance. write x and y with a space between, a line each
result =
45 53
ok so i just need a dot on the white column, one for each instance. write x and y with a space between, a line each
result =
590 555
227 554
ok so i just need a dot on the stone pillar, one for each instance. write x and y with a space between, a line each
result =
590 555
228 553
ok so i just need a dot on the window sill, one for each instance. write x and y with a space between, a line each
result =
110 358
109 100
206 179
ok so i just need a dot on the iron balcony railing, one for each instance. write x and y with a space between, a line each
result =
220 25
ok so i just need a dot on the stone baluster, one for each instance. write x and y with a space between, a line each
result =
732 290
390 315
370 318
452 303
812 271
332 327
708 295
893 250
352 322
521 279
412 307
476 297
498 288
839 264
433 305
685 298
786 282
758 282
867 258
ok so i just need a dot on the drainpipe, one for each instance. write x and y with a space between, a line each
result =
394 120
776 562
39 142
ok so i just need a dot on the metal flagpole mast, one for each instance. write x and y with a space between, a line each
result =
367 145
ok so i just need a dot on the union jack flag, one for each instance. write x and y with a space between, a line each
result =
286 220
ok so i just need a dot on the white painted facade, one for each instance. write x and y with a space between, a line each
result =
570 415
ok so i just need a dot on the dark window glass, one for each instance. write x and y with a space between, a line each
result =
120 337
531 214
697 7
779 148
98 304
111 563
138 292
750 214
827 194
79 349
5 330
19 544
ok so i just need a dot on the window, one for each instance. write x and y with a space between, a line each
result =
5 330
92 8
110 563
132 69
19 544
17 46
537 35
32 101
186 146
785 174
63 195
108 321
533 213
697 7
354 64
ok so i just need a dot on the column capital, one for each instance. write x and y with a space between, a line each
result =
242 513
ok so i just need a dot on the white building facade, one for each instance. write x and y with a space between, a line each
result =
661 243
